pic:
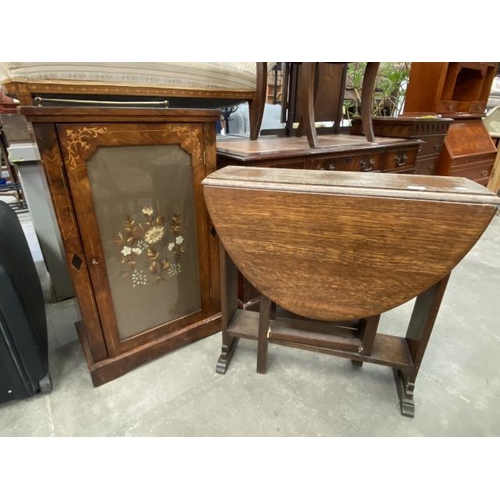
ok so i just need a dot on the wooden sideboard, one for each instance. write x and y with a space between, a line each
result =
335 152
126 189
430 129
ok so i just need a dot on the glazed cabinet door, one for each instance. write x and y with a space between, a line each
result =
136 191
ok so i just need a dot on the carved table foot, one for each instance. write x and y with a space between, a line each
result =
226 355
405 393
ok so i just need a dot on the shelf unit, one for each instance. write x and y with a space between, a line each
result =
449 88
457 90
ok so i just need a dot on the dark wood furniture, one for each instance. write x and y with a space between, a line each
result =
449 88
469 151
274 87
333 152
431 130
330 248
126 189
457 90
314 91
329 88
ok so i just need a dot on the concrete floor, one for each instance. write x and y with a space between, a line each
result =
303 393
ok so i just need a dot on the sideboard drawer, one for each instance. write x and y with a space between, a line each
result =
477 107
353 163
447 106
426 166
369 163
412 169
223 161
479 172
396 160
342 163
431 146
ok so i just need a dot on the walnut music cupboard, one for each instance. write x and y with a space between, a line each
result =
126 188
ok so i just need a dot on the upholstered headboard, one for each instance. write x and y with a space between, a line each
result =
236 76
184 84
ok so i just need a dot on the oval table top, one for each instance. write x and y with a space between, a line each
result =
344 245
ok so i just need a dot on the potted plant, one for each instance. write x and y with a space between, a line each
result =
390 86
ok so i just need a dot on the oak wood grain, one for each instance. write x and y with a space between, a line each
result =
387 350
338 246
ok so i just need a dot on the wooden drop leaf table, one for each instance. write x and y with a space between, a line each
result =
329 252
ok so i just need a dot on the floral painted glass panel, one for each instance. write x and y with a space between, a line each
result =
144 201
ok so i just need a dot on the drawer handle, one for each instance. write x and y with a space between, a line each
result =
421 148
484 173
432 167
367 167
401 160
95 262
437 147
330 166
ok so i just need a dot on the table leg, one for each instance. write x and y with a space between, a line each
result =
263 340
419 331
367 330
229 305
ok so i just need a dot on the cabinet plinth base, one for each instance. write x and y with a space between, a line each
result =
114 367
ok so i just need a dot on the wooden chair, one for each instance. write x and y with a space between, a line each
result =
307 89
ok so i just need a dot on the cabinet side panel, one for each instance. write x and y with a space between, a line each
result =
425 86
63 206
